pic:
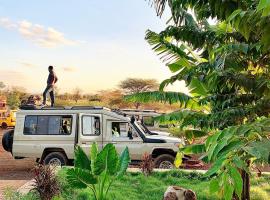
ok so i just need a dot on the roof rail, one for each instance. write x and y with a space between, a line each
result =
87 108
53 108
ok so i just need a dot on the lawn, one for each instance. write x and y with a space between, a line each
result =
135 186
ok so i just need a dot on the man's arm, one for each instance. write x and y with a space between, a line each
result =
55 78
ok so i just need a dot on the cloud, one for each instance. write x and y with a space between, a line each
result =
27 64
38 34
69 69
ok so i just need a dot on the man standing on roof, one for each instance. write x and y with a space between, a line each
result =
52 79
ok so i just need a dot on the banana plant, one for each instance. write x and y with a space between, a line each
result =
98 171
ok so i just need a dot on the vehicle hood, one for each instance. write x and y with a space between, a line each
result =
168 139
161 133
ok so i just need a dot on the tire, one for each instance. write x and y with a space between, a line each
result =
56 159
4 125
7 140
164 161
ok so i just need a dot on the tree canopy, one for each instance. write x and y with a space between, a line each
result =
226 67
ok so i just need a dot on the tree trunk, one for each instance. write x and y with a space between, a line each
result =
246 186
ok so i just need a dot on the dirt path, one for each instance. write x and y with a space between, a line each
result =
13 173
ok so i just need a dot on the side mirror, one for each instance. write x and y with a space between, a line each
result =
130 135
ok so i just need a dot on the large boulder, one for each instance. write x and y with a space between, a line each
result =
179 193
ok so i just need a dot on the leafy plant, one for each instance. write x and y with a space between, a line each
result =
45 182
225 65
98 171
147 164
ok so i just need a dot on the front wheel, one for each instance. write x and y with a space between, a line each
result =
164 161
55 159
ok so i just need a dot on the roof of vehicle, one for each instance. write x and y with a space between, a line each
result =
33 109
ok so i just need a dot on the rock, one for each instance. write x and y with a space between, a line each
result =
179 193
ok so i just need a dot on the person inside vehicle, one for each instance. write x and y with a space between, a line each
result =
115 132
65 127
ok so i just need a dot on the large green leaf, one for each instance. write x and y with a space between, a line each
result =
80 178
81 160
93 155
259 149
237 180
193 149
190 134
107 159
216 167
124 162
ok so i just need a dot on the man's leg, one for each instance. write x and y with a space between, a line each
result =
45 95
52 97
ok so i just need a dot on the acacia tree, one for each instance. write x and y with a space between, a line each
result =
226 67
136 85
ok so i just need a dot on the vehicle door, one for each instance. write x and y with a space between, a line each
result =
122 135
90 131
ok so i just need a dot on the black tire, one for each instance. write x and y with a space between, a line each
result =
164 159
54 157
7 140
4 125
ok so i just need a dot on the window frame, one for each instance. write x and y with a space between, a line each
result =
93 116
62 116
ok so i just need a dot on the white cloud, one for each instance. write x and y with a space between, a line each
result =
38 34
69 69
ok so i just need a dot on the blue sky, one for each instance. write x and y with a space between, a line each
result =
92 44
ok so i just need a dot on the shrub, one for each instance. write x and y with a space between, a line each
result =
147 164
45 182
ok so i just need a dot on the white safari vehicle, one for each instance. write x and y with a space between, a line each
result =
50 134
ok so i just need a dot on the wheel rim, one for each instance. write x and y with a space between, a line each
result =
55 162
166 165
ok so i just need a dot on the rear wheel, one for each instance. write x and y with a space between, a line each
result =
55 159
164 161
7 140
4 125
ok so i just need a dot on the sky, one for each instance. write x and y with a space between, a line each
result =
92 44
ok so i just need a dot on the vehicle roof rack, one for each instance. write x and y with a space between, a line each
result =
119 112
88 108
53 108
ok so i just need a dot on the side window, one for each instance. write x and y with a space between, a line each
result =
42 128
54 125
123 130
47 125
30 125
90 125
148 121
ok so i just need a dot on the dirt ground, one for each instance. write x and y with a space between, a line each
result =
13 173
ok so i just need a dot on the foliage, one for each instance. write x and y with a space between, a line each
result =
77 93
135 85
99 171
15 96
45 182
226 67
147 164
11 194
136 186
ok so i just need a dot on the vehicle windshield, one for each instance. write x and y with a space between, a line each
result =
141 128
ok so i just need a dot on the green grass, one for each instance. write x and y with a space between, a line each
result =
135 186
